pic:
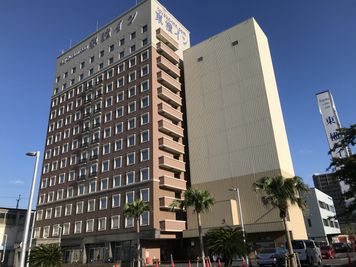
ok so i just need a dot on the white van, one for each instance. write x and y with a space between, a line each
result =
307 251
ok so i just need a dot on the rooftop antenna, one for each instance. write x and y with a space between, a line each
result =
70 43
18 201
97 24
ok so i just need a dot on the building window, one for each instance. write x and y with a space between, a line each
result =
104 184
144 70
111 48
77 227
130 178
145 154
103 204
144 42
66 229
58 212
145 174
132 35
70 192
121 68
122 42
132 76
131 107
144 219
120 97
131 123
144 55
91 205
120 82
132 62
89 226
119 128
325 222
145 195
115 222
121 54
39 215
116 201
145 86
129 222
92 186
106 148
102 224
68 210
37 232
46 231
132 91
79 207
132 48
130 159
118 145
55 230
144 28
131 140
119 112
118 162
116 181
145 118
107 132
145 136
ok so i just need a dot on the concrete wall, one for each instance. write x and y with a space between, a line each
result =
235 124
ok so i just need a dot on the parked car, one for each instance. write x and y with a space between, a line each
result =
308 251
271 256
341 247
327 252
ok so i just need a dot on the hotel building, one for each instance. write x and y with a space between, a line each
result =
236 132
116 134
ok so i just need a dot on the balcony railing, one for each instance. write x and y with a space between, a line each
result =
170 183
169 41
170 146
171 164
172 225
170 97
169 128
168 81
169 112
168 67
167 52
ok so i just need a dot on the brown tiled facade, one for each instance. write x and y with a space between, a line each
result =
114 137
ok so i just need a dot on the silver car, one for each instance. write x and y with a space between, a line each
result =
271 256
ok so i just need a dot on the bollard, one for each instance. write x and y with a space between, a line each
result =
189 264
156 263
117 264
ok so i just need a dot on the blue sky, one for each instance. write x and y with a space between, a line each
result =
312 45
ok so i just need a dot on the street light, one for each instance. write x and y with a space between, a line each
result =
29 208
237 191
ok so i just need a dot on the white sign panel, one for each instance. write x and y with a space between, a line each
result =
331 122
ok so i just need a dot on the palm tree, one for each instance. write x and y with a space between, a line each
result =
135 210
226 241
49 255
201 201
279 192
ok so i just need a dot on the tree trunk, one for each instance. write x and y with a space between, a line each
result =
138 243
291 256
201 239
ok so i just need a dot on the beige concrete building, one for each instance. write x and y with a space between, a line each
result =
236 131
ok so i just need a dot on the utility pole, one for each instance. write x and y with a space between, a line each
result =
18 201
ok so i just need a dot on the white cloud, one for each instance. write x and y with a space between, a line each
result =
17 182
